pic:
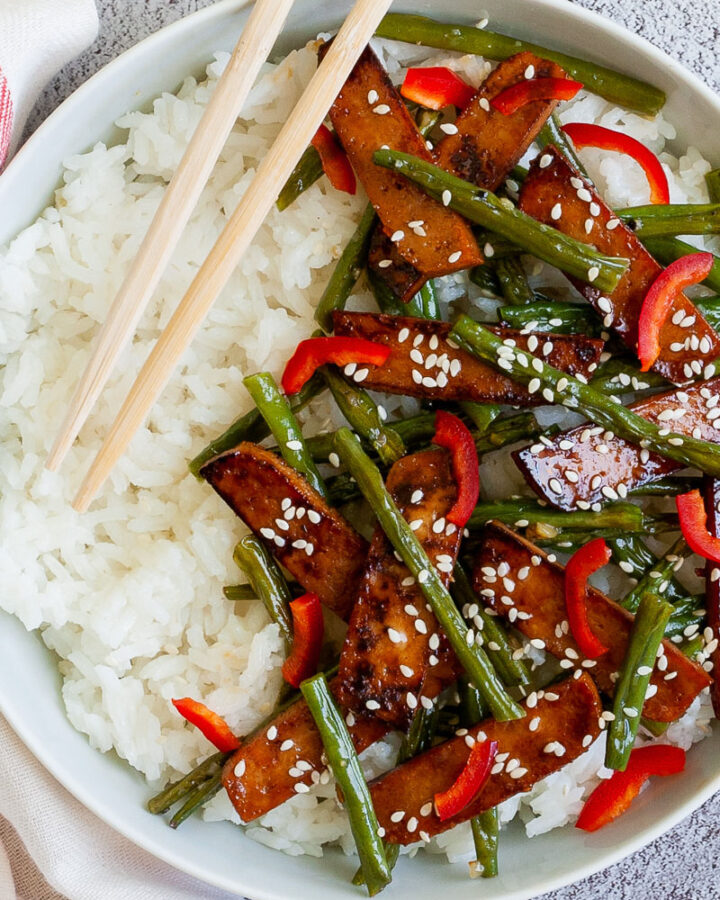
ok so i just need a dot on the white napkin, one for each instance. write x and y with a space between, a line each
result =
37 38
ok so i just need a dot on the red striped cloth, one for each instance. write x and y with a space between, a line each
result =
37 38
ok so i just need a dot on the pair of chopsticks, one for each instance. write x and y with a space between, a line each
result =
181 196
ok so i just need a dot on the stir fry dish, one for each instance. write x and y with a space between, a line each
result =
414 600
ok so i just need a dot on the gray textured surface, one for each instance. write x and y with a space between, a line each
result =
682 865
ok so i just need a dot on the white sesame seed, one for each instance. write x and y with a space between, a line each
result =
382 110
384 263
272 733
454 257
446 197
593 273
449 128
530 72
545 160
372 704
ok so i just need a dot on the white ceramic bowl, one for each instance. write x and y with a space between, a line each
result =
29 683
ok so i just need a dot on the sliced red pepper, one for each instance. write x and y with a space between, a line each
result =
517 95
611 798
580 566
309 355
213 726
307 639
436 87
583 134
334 160
693 524
658 302
452 434
468 783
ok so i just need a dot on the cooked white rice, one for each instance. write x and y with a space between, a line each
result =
129 595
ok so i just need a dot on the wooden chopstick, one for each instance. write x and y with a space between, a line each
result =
263 26
272 173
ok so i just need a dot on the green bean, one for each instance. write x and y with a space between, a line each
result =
197 799
239 592
267 581
485 278
680 621
555 316
619 89
428 300
668 249
363 415
656 729
710 309
645 637
566 541
521 513
657 579
495 640
663 219
277 412
513 281
494 246
484 208
667 487
305 173
520 427
632 555
389 303
173 793
712 180
575 395
402 537
252 426
482 415
343 761
552 133
620 375
347 271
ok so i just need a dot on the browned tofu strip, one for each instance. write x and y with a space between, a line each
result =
264 772
588 465
558 186
394 649
368 114
254 482
484 150
424 364
712 586
509 567
556 730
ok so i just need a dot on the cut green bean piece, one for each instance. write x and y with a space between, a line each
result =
552 133
239 592
494 247
710 308
712 180
658 578
268 582
389 303
619 89
178 790
482 415
343 761
645 637
667 487
363 415
485 278
555 316
472 657
484 208
252 426
620 375
513 281
305 173
571 392
662 219
495 640
197 798
277 412
521 513
668 249
485 832
347 271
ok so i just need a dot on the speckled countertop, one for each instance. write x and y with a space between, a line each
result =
685 863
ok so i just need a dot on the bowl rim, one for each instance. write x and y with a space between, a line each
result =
83 792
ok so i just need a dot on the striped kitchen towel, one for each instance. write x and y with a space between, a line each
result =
37 38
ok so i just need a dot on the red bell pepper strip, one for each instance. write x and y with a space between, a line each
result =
473 776
307 639
436 87
583 134
309 355
517 95
213 726
334 160
656 307
452 434
693 524
580 566
611 798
